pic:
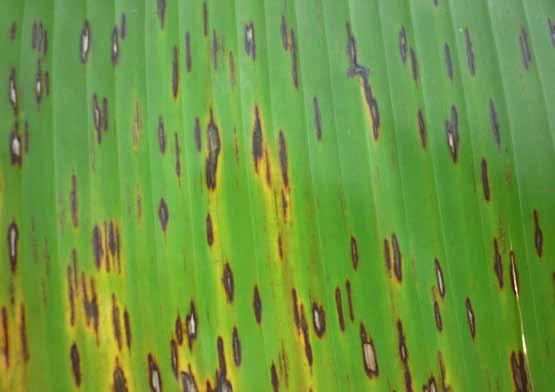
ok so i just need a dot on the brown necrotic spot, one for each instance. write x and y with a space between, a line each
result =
494 120
354 252
469 52
294 57
205 19
236 346
188 381
227 281
485 180
257 304
6 337
497 263
470 317
452 133
538 234
174 357
421 128
179 330
209 230
403 44
274 378
13 245
437 316
317 118
73 201
350 300
115 45
23 333
369 358
85 43
98 250
283 158
439 277
284 35
397 258
520 372
296 315
448 60
191 325
127 326
414 65
188 59
119 380
75 363
214 148
339 306
257 150
250 42
163 214
161 11
514 273
175 73
154 376
116 321
161 135
525 48
318 319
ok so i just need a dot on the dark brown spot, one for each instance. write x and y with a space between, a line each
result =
115 46
177 155
437 315
350 300
47 83
75 364
13 241
161 11
197 132
175 73
188 58
221 358
209 230
403 44
163 214
283 159
97 118
306 337
214 148
452 134
85 42
116 322
161 135
355 69
284 35
104 117
127 325
497 263
227 281
494 123
469 53
274 378
257 150
236 345
123 26
317 118
232 77
514 273
71 295
485 180
404 354
6 336
280 247
23 334
387 255
119 380
354 252
369 358
448 60
414 65
538 234
318 319
98 250
520 373
250 42
34 35
154 375
189 382
13 31
179 330
284 204
471 318
525 48
372 105
73 201
339 305
174 357
421 128
295 308
205 18
191 325
257 305
214 50
397 258
439 277
294 61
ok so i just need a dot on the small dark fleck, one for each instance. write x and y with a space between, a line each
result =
525 47
257 305
179 330
123 26
448 60
551 25
214 50
494 123
452 134
116 322
47 83
283 30
520 373
175 73
236 345
85 42
189 382
209 230
437 315
74 202
104 116
97 118
34 35
191 324
197 133
439 277
471 318
354 252
98 250
414 64
154 375
161 11
115 46
205 18
514 273
436 3
317 118
284 204
339 305
295 308
318 319
397 258
161 135
13 31
387 255
177 155
174 357
75 363
538 234
257 139
281 253
274 378
369 358
120 382
127 325
250 42
469 53
23 334
227 281
232 77
421 128
6 346
214 148
403 44
283 158
188 59
497 263
163 214
485 180
350 300
294 62
71 295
